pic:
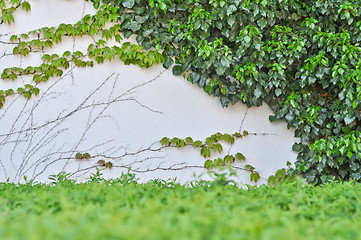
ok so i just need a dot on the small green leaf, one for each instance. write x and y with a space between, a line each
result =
26 6
197 143
206 152
164 141
189 140
101 163
240 157
78 156
255 176
109 165
249 167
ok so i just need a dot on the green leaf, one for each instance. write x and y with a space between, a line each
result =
240 157
26 6
278 92
128 3
168 62
164 141
134 26
101 163
228 159
224 101
177 70
189 140
78 156
257 92
262 22
109 165
349 119
231 9
346 130
249 167
197 143
247 39
208 164
255 176
206 152
220 69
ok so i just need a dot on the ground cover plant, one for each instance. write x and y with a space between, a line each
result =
124 209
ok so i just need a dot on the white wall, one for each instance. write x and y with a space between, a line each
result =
119 113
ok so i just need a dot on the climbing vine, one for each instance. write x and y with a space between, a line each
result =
302 58
54 64
211 145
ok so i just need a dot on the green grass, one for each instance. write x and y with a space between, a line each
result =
123 209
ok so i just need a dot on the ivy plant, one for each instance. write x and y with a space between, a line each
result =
213 144
301 57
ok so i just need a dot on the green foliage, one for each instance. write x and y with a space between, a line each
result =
282 175
80 156
108 164
54 65
123 209
211 145
300 57
7 8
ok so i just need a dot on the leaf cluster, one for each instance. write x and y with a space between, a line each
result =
211 145
102 27
8 7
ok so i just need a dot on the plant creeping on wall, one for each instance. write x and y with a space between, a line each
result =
302 58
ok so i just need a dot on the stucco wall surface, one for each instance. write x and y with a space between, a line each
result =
119 113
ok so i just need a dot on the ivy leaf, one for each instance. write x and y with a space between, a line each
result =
255 176
197 143
127 34
220 70
346 130
177 70
228 159
231 9
231 20
240 157
164 141
278 92
128 3
26 6
134 26
247 39
257 92
224 101
349 119
208 164
101 163
168 62
262 22
78 156
206 152
225 62
109 165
